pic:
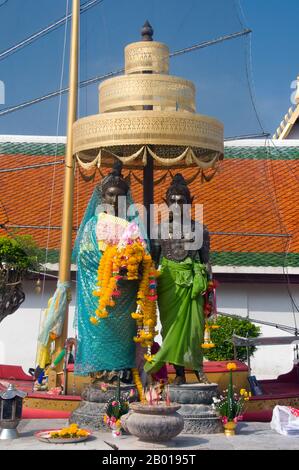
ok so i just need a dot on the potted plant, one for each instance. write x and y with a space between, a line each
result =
114 411
116 407
230 405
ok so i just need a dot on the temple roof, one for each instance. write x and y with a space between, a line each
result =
250 206
289 126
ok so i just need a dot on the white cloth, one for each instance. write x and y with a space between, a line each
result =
285 420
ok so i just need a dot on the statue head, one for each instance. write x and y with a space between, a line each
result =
178 192
113 186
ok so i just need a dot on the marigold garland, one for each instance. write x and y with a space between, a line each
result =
130 257
138 383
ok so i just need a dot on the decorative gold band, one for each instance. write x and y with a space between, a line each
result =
169 132
151 56
132 92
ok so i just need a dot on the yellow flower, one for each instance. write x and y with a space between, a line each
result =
73 427
231 366
242 391
94 321
149 357
208 345
136 316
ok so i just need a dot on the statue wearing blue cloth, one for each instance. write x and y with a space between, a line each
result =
106 350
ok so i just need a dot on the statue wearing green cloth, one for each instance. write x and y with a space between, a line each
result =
185 271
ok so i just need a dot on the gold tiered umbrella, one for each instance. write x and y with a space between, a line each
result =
146 114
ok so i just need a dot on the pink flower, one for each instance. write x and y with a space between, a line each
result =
114 403
224 420
240 418
235 420
152 297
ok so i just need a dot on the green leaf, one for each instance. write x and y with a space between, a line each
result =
222 338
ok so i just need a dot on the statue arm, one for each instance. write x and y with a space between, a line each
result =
205 250
205 258
156 252
155 244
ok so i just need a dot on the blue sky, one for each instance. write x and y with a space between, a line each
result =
219 72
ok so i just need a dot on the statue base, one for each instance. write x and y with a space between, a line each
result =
196 400
90 413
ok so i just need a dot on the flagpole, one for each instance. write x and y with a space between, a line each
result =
69 171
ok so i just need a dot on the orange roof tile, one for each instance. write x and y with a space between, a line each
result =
250 207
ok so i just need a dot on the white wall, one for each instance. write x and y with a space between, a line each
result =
267 302
18 332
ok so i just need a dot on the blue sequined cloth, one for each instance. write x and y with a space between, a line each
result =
109 345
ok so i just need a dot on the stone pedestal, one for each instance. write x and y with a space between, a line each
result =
90 412
196 400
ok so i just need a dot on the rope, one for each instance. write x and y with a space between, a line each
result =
212 42
118 72
31 167
53 26
53 94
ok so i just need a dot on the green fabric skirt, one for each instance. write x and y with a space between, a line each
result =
181 286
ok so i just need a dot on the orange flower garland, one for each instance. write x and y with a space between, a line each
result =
138 383
129 257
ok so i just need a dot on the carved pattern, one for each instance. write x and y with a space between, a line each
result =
140 56
148 127
90 415
137 90
202 425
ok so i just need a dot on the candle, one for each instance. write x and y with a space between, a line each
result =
167 396
150 395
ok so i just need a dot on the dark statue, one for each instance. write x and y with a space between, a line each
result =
180 305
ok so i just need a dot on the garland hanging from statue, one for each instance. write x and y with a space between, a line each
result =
128 260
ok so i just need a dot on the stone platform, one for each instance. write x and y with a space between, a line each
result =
90 412
196 400
250 436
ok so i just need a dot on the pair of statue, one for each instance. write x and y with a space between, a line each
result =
106 350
